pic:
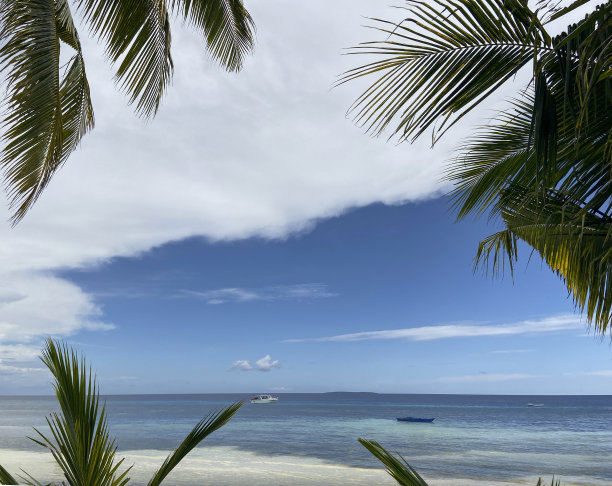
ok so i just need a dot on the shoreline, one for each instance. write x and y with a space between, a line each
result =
229 466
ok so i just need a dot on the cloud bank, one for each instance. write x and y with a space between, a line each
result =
263 153
488 377
428 333
272 293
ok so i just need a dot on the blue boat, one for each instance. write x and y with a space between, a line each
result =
415 419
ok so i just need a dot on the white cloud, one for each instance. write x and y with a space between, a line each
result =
428 333
267 152
44 305
264 153
599 373
12 369
266 363
40 305
241 364
278 292
488 377
590 373
263 364
512 351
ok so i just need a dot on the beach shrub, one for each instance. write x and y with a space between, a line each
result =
79 439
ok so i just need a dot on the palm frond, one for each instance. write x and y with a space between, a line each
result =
138 39
557 13
77 110
5 477
498 155
441 61
39 120
399 469
544 167
204 428
574 243
226 24
80 442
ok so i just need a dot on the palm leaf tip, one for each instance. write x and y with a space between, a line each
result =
203 429
440 62
47 112
5 477
399 469
227 26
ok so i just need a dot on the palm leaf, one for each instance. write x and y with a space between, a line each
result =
46 114
399 469
404 473
441 61
137 37
204 428
77 110
80 442
226 25
574 243
544 168
5 477
560 12
497 156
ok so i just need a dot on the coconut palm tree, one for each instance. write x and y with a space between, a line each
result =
48 107
80 442
543 166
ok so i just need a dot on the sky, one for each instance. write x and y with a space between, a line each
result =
251 238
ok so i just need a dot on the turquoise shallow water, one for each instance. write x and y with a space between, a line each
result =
480 437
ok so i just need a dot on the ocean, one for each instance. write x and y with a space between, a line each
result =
492 439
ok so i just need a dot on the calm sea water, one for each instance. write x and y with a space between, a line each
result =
484 437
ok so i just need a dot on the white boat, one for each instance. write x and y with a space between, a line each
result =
535 404
264 399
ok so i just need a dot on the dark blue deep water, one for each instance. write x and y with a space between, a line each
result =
473 436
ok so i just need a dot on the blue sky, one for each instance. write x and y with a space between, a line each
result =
252 238
186 311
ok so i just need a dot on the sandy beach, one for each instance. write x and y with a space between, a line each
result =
228 466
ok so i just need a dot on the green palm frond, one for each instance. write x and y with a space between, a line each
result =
137 38
544 167
399 469
226 25
77 110
204 428
404 473
5 477
442 60
48 108
46 114
80 444
497 156
559 12
574 243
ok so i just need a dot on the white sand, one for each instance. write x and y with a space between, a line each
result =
228 466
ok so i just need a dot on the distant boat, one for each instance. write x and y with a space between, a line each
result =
415 419
264 399
535 404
